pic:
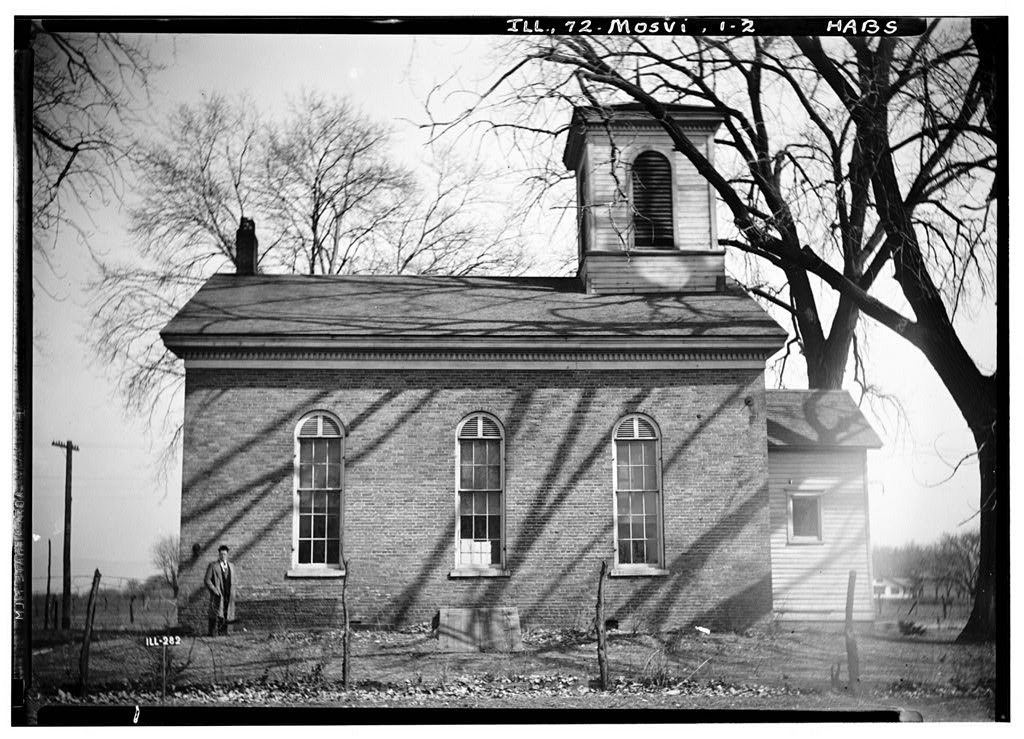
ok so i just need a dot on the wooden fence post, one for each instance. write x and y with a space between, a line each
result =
83 660
602 637
852 660
346 645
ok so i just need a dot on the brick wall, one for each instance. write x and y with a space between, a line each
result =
400 499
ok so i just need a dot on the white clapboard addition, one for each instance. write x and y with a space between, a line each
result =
809 578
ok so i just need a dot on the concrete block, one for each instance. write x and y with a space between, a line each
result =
479 629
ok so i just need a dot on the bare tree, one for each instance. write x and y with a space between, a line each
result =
133 590
328 198
906 560
455 225
86 88
933 331
956 562
166 558
330 184
850 159
952 562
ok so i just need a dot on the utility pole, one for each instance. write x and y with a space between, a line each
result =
65 608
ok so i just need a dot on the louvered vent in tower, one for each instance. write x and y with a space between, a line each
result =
652 201
309 427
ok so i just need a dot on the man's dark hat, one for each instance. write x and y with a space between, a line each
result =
223 548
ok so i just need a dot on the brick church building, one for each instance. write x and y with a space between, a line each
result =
473 442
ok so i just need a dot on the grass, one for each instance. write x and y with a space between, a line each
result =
771 669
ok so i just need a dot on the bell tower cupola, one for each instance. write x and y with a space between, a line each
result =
646 218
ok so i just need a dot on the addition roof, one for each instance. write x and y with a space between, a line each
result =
460 308
817 418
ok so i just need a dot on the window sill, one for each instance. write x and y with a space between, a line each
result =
468 573
638 572
312 573
805 542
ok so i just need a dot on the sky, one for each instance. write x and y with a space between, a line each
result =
122 506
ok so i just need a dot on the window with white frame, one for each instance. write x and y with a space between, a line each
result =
319 482
651 201
804 517
638 528
480 456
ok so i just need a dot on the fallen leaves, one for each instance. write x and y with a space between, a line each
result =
487 687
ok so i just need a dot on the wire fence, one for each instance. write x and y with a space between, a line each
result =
926 612
115 610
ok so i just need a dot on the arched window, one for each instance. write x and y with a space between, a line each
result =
638 528
480 461
319 482
652 201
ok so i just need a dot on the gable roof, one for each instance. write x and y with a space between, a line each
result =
522 309
817 418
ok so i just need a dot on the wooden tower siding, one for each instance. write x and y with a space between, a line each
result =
609 218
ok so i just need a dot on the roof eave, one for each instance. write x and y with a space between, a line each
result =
826 447
175 341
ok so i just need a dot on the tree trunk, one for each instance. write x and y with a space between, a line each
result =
826 367
827 360
981 626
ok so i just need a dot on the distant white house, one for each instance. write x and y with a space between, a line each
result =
893 588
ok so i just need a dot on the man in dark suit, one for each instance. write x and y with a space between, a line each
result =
222 583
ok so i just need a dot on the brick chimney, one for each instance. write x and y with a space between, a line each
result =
246 247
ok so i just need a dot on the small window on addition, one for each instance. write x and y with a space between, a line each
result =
804 518
480 488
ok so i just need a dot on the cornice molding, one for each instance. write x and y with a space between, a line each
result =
240 358
704 125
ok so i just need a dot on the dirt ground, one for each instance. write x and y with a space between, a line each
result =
774 669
